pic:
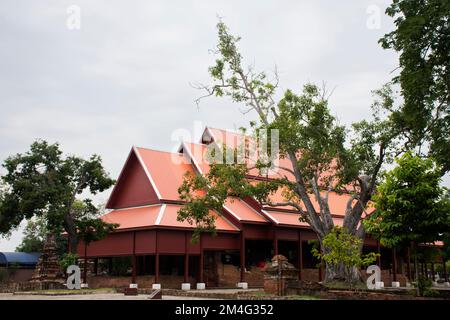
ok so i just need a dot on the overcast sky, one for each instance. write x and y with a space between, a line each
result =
124 77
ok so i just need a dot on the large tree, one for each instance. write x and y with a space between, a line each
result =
422 39
411 206
43 183
323 156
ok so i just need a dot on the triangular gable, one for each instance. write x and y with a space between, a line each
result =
133 187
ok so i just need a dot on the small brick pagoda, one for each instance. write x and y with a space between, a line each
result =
48 269
277 274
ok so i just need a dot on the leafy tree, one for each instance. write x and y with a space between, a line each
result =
343 250
422 38
43 183
34 236
411 206
67 260
324 157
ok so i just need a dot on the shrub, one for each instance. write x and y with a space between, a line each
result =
425 287
67 260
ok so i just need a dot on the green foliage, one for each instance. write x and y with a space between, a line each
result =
422 39
411 206
33 236
424 286
306 126
43 183
67 260
222 181
323 154
341 248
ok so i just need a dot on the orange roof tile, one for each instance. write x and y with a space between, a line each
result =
138 217
243 211
234 140
169 219
164 215
166 169
292 219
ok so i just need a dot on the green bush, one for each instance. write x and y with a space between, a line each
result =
67 260
425 287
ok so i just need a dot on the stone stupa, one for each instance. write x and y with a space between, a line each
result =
48 269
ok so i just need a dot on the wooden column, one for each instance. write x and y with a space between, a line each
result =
433 275
275 242
242 262
320 271
186 258
201 259
133 261
408 265
110 266
379 252
96 266
85 264
394 264
300 255
444 269
156 258
144 266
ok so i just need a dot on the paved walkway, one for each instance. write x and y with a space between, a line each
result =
95 296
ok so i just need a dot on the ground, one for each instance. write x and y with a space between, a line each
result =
96 296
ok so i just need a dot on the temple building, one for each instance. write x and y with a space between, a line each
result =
152 248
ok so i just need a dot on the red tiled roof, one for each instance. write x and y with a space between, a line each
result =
166 170
242 211
234 140
292 219
138 217
164 215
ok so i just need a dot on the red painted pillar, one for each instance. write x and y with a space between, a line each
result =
320 271
186 258
85 264
433 275
408 266
379 252
201 259
444 268
96 266
156 258
300 255
275 242
242 248
133 271
143 265
394 264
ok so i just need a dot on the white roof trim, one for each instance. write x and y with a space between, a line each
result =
192 158
137 207
147 172
230 211
160 214
271 217
228 221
